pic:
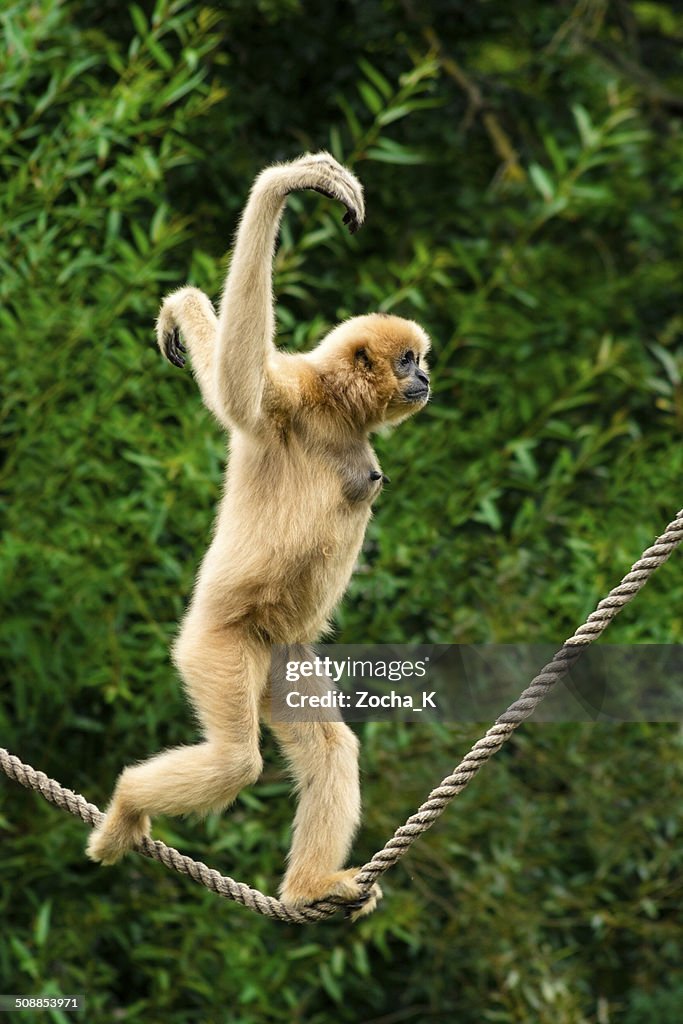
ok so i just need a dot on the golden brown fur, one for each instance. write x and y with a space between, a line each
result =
300 483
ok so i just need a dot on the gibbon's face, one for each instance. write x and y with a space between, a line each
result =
391 361
373 369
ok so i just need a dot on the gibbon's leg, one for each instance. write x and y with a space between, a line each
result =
188 311
323 758
225 672
246 321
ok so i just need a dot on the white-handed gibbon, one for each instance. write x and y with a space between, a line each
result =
300 483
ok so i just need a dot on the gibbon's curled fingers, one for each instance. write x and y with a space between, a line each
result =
300 483
333 181
173 348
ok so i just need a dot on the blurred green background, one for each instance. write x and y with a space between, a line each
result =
523 166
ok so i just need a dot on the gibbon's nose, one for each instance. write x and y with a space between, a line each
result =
422 377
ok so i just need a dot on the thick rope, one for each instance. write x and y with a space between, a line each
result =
438 799
539 687
213 880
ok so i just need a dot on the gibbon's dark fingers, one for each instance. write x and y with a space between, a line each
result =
173 348
350 218
337 188
341 188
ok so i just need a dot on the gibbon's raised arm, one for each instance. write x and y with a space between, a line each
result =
246 322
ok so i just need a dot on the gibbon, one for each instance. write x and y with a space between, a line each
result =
300 483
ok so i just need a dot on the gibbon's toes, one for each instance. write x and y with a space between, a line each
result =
108 843
173 348
357 902
104 848
364 904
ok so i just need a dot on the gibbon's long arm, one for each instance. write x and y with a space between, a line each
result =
246 323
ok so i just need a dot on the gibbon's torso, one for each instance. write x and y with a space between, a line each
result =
290 526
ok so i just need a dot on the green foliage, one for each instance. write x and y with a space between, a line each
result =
523 168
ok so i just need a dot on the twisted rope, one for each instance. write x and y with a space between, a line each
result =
438 799
525 705
77 805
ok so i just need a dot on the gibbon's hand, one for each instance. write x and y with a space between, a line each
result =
321 173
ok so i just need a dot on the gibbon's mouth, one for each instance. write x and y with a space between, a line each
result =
416 394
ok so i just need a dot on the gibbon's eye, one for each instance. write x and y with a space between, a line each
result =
361 356
408 358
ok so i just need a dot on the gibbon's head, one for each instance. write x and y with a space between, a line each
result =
373 369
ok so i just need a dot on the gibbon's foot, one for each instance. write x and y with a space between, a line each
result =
116 835
174 348
340 883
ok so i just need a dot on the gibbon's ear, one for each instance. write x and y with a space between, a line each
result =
362 358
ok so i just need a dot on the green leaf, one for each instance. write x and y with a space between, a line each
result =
390 152
378 79
330 984
42 926
671 366
371 98
162 58
542 180
336 146
589 136
351 117
488 513
556 154
139 20
394 114
158 222
180 86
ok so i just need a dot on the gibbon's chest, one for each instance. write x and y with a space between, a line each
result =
357 471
